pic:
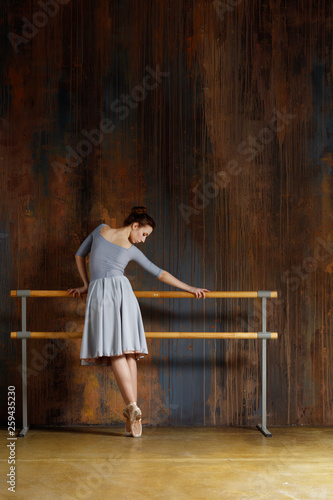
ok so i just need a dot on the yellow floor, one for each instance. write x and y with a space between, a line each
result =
171 463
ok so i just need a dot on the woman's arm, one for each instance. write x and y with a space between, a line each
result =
169 279
81 265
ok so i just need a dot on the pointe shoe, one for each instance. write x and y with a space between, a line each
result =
139 434
127 409
128 433
128 428
134 414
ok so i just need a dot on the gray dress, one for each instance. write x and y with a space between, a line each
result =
113 323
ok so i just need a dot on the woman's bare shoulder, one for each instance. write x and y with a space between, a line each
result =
111 234
106 229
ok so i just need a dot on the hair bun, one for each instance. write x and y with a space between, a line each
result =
139 210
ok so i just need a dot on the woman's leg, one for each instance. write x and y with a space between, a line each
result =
123 376
132 365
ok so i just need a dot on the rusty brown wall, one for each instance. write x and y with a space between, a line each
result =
226 135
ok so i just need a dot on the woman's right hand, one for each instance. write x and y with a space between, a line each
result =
82 289
198 292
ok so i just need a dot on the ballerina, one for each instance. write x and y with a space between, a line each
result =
113 332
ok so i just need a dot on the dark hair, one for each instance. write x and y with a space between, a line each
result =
139 215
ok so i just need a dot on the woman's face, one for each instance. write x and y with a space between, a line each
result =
139 234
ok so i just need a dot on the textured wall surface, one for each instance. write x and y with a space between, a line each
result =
217 116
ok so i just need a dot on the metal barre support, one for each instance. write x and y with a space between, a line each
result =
262 427
25 428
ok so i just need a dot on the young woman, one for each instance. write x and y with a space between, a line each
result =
113 332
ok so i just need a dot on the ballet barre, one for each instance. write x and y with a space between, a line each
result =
263 335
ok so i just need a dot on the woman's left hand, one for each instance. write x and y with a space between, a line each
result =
198 292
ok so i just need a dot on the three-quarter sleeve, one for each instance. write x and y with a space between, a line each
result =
144 262
85 246
87 243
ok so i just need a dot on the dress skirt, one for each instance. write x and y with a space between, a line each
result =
113 323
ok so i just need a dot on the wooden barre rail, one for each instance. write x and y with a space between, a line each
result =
153 294
155 335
